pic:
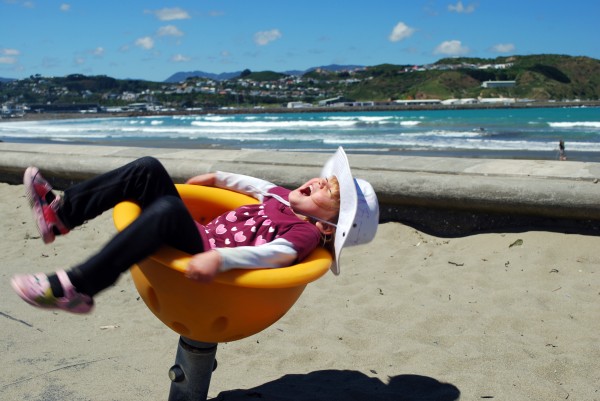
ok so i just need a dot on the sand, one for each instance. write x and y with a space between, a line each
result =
411 317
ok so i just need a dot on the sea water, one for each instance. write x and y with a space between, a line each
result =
506 133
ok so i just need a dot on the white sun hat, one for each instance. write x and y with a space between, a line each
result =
359 208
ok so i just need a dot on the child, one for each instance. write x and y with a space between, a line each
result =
561 150
280 231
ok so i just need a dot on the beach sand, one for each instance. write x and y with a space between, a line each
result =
411 317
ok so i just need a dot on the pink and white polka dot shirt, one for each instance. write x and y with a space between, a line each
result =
267 234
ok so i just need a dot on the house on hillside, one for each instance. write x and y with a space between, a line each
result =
499 84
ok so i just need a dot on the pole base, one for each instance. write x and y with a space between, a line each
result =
190 376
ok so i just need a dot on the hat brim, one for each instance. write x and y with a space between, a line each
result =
338 166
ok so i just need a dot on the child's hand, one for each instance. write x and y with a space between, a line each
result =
207 180
204 266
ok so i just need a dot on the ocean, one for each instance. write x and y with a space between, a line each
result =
528 133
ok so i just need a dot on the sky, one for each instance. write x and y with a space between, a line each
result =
154 39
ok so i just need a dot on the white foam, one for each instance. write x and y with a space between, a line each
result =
312 131
300 124
575 124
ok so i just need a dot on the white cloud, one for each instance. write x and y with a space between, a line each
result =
26 4
146 42
503 48
460 8
79 60
451 48
8 60
9 52
265 37
98 51
9 56
170 14
180 58
400 32
169 30
65 7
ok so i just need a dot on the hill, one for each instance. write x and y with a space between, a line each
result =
182 76
539 77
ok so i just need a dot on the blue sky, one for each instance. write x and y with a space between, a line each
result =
154 39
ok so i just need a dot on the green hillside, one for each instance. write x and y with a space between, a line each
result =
540 77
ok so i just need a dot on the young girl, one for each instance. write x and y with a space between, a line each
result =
280 231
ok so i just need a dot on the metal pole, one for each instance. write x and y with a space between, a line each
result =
190 376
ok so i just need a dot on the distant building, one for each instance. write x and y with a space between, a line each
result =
113 109
6 110
498 84
496 100
353 104
65 108
459 101
329 102
138 106
418 102
298 105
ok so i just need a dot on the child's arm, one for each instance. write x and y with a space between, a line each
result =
207 180
245 184
275 254
204 266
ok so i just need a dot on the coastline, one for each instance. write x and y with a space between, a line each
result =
282 110
551 155
407 145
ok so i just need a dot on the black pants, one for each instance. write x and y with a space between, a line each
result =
164 220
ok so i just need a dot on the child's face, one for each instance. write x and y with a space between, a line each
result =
314 198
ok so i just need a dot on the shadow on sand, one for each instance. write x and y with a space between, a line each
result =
347 385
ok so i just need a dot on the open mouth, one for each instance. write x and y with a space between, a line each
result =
306 191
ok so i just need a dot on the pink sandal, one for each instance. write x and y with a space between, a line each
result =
35 290
44 213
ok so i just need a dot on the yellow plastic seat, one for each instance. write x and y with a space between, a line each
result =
238 303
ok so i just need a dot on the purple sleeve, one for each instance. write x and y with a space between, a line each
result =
304 238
